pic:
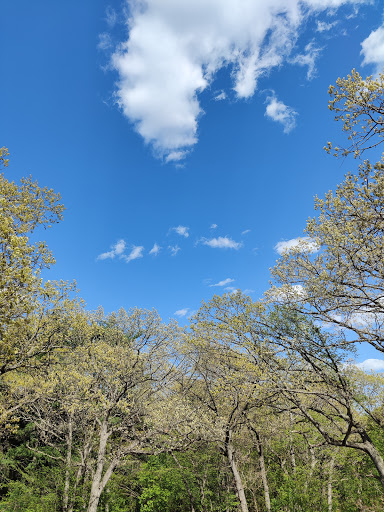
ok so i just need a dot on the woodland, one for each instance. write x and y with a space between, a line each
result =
255 406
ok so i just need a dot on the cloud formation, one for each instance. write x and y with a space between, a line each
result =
181 230
116 250
281 113
221 242
155 249
371 364
308 58
174 49
136 252
174 249
224 282
304 244
181 312
373 49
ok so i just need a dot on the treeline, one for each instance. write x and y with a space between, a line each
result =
256 406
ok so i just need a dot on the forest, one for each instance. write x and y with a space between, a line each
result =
255 406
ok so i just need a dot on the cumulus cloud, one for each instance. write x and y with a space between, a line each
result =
308 58
116 250
304 244
181 230
373 49
155 249
223 282
221 242
136 252
174 49
281 113
371 364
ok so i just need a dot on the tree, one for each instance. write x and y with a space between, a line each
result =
105 400
27 305
337 274
359 104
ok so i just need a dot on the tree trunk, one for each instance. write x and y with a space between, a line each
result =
237 477
330 480
260 451
377 459
97 480
68 464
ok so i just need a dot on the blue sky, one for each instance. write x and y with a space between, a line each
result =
185 136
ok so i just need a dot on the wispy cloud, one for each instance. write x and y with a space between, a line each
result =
220 96
373 49
181 230
308 58
245 231
224 282
303 244
371 364
213 226
136 252
181 312
111 17
116 250
155 249
105 41
221 242
323 26
281 113
174 50
174 249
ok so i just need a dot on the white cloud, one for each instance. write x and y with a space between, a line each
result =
224 282
373 49
220 96
371 364
281 113
175 48
213 226
323 26
308 59
181 312
181 230
245 231
174 249
232 289
136 252
105 41
304 244
221 242
116 250
110 17
155 249
176 156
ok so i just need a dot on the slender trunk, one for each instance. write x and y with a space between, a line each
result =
260 451
96 488
236 476
82 468
186 484
291 448
330 480
68 463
